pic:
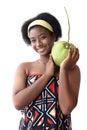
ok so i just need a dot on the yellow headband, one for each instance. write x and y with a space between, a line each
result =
41 23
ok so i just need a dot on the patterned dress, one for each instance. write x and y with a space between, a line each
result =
44 112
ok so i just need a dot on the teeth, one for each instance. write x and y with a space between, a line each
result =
42 49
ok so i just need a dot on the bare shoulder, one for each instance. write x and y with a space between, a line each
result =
26 67
23 67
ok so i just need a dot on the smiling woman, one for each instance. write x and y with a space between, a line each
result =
45 93
41 40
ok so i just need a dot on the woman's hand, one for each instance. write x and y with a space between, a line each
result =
71 59
50 67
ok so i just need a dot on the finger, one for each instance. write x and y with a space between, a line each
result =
50 57
74 52
77 55
69 52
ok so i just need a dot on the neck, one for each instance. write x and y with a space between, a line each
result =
44 59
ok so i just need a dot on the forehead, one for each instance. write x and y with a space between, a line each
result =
38 30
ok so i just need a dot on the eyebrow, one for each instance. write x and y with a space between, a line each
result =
38 35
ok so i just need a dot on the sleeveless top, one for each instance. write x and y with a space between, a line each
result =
44 112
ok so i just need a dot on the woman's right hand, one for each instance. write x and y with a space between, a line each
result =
50 67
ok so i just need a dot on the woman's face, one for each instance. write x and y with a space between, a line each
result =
41 40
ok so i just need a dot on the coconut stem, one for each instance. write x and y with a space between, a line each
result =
68 24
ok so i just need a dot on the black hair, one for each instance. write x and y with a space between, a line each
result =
44 16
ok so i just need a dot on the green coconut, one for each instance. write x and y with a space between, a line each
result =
60 51
60 48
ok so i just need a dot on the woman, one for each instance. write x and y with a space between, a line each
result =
45 93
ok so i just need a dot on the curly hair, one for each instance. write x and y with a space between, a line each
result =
52 20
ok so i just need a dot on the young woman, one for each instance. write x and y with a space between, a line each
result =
45 93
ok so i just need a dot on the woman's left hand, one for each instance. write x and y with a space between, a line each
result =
70 61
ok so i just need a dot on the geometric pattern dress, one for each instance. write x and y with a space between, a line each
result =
44 112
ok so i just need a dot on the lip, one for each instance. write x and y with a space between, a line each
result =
41 50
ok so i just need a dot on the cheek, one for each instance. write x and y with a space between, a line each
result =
34 47
50 44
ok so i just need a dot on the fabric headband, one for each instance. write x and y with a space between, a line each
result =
41 23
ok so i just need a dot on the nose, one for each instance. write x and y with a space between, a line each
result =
38 43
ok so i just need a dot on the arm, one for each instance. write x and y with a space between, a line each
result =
69 83
23 95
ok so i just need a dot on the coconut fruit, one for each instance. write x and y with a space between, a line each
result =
60 51
60 48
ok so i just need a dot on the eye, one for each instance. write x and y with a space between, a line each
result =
42 37
32 40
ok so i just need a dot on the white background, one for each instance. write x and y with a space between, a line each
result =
13 50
